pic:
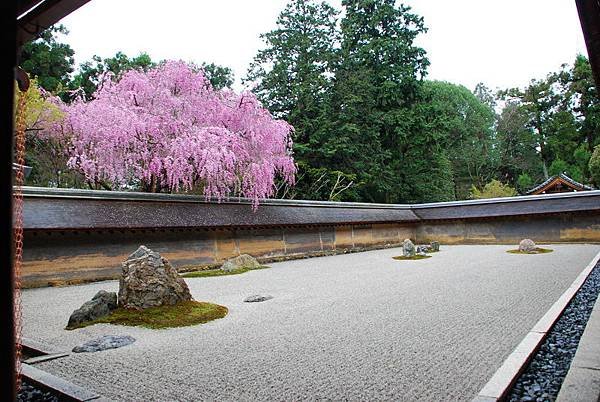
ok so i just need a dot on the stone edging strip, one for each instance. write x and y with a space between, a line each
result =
582 382
64 389
45 358
503 379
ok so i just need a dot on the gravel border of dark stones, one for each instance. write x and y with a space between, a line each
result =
542 378
30 393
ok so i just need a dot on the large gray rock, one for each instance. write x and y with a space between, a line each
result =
105 342
149 280
435 246
241 261
408 248
101 304
527 246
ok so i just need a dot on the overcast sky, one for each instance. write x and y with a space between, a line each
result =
501 43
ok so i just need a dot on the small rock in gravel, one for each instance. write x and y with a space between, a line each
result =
105 342
257 298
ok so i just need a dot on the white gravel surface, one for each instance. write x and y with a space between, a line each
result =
356 327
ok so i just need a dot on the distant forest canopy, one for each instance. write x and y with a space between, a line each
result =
368 125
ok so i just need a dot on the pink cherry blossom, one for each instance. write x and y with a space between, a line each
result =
169 130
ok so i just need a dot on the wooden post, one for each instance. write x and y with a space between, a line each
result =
589 16
8 18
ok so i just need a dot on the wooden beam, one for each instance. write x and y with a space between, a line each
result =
589 16
45 14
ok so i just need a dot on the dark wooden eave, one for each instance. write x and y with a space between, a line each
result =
61 209
493 208
589 16
34 16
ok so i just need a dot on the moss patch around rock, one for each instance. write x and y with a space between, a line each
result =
538 250
179 315
219 272
415 257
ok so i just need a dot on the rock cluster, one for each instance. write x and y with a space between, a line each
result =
101 304
527 246
241 261
149 280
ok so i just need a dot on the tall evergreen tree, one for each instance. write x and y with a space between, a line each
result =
377 82
292 76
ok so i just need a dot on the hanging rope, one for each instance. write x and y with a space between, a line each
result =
18 224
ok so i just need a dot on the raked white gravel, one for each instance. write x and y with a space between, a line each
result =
357 326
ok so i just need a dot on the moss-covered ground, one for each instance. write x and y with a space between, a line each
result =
415 257
538 250
179 315
219 272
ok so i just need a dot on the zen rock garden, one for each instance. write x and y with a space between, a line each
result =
153 294
309 330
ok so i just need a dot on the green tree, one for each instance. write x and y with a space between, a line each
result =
90 74
539 102
515 145
377 83
485 95
493 189
292 76
220 77
562 112
463 125
48 60
583 101
44 153
559 166
524 183
594 166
